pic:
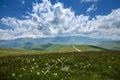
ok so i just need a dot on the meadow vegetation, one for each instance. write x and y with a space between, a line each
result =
94 65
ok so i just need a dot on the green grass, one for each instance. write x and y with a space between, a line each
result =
17 52
104 65
89 48
49 48
61 48
113 45
68 48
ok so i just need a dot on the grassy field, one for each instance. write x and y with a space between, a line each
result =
86 48
94 65
61 48
48 49
52 49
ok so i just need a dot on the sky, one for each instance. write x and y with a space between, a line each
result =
98 19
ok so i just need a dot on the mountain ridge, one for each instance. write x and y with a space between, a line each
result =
38 43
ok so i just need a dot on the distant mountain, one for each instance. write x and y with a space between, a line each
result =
40 43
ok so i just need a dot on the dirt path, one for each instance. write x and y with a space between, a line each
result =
76 49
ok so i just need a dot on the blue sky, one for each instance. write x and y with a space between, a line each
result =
17 8
50 18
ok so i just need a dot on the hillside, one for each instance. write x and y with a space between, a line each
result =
113 45
86 48
48 48
44 43
34 42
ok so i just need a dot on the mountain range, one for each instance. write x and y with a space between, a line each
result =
41 43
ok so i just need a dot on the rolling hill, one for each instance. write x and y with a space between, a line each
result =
47 43
49 48
29 42
112 45
86 48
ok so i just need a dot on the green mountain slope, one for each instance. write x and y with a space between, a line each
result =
66 48
113 45
61 48
89 48
49 48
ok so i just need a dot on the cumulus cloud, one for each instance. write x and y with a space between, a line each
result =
91 8
48 20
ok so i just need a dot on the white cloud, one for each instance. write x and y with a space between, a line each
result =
47 20
23 2
89 0
6 34
91 8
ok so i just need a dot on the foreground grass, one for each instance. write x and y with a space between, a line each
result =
68 66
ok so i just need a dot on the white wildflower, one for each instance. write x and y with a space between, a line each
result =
33 59
13 74
23 69
66 68
32 67
110 67
38 73
55 74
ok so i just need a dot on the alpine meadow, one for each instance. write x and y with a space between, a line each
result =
59 40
